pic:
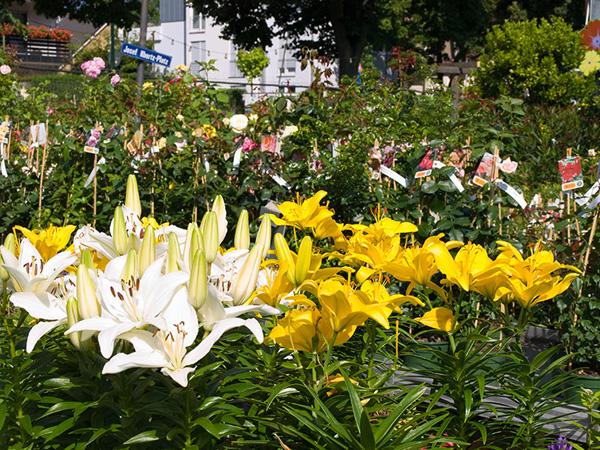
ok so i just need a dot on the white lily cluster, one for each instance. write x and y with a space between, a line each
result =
158 288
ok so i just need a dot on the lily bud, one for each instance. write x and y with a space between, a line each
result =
10 243
198 284
303 260
148 251
86 294
242 232
188 249
245 281
263 236
173 254
4 276
119 232
131 268
72 319
285 257
218 208
210 232
87 259
132 196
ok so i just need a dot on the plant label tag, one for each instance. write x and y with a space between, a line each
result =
3 169
512 192
280 181
92 175
569 186
91 150
581 201
456 182
438 165
237 158
394 176
423 173
478 181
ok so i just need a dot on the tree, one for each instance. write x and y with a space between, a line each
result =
252 63
123 13
336 28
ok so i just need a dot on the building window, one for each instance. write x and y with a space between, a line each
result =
287 62
198 55
198 21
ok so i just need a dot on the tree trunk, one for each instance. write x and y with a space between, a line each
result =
349 49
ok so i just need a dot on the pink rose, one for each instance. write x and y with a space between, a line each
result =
99 62
93 67
508 166
5 69
115 79
248 145
49 111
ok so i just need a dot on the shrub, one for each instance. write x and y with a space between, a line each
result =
534 60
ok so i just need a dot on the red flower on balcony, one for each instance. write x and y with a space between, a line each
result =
38 32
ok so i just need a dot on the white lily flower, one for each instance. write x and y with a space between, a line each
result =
104 243
167 348
130 305
29 273
224 271
212 313
50 309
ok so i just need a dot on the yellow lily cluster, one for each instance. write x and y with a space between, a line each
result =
386 251
340 309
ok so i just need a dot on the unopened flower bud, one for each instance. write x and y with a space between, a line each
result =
10 243
245 281
198 284
119 232
131 267
86 294
173 254
87 259
72 319
218 208
132 196
263 236
242 232
303 260
285 257
210 233
148 250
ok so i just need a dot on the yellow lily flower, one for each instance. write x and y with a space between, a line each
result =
471 264
49 241
377 293
304 214
303 268
532 280
274 286
297 330
342 307
438 318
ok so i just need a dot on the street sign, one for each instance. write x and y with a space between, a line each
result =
145 54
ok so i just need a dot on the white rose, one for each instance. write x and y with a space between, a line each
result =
288 131
238 123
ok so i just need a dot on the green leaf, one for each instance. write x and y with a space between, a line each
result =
141 438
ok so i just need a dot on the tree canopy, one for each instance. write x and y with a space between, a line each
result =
344 28
123 13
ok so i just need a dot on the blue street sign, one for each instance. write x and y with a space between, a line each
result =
145 54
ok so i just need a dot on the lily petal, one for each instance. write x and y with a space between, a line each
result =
38 330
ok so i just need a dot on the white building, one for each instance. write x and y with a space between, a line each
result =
189 38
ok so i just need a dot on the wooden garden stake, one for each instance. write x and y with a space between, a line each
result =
95 201
569 153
